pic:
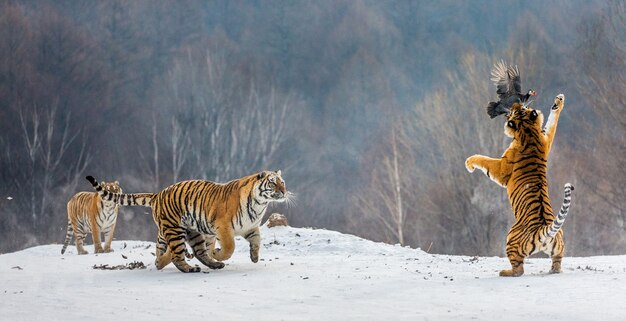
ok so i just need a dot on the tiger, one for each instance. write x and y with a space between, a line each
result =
200 212
88 212
522 171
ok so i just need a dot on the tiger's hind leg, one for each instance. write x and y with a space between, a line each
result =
198 243
163 255
79 244
210 243
175 238
556 253
516 259
79 238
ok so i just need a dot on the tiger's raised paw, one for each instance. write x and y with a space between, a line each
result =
558 102
469 165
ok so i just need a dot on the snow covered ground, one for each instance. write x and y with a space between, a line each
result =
307 274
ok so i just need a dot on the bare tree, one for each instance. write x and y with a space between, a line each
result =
180 148
32 142
234 126
46 146
381 205
602 60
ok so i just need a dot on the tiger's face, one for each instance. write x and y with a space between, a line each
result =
111 187
271 186
521 119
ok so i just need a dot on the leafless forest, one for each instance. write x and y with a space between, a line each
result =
368 107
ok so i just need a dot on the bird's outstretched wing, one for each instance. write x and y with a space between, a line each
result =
515 80
506 79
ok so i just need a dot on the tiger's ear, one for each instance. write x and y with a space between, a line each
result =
533 115
117 183
511 124
261 175
278 173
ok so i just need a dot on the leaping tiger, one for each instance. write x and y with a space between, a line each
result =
199 211
522 171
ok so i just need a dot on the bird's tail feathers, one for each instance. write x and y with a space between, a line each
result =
491 109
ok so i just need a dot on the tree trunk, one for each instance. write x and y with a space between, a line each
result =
398 190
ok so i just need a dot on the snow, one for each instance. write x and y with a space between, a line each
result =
307 274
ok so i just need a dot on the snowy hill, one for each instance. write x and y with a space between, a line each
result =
307 274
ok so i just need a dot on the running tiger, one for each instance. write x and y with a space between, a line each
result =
88 212
522 171
200 212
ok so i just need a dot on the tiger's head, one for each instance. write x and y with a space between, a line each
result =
271 187
111 187
522 120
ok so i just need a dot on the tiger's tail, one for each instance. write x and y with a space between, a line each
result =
555 226
68 236
139 199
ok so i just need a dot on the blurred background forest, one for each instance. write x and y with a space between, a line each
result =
368 107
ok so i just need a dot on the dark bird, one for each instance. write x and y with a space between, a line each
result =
509 89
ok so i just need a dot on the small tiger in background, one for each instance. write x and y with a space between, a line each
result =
87 212
522 170
200 212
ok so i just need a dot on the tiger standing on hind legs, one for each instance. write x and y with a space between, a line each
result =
522 170
200 212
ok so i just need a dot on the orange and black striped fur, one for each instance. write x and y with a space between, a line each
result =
522 171
199 212
88 212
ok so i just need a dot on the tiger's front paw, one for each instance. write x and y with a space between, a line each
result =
254 254
556 268
99 250
511 273
108 250
469 164
555 271
558 102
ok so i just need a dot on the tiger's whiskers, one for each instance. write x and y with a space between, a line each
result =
290 200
